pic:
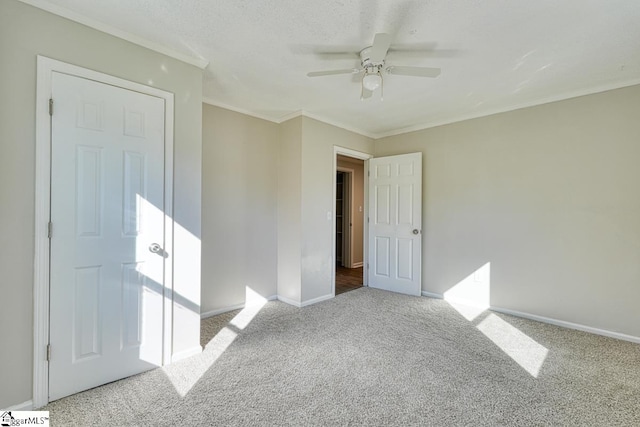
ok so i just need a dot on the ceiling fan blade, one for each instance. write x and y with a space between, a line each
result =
414 71
337 55
327 52
333 72
381 43
421 50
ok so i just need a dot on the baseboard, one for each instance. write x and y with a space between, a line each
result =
432 295
566 324
230 308
316 300
221 310
289 301
305 303
24 406
186 353
357 264
549 320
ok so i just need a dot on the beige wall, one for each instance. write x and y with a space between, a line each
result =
24 33
293 165
358 207
290 210
318 141
549 195
282 191
239 207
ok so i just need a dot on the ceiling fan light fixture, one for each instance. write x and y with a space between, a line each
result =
373 62
372 81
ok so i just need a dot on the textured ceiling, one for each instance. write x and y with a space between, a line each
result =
495 55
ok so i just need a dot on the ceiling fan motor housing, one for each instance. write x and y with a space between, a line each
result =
365 60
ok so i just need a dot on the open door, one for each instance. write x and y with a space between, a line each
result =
395 223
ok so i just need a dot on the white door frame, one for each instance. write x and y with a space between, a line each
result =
347 207
45 68
362 156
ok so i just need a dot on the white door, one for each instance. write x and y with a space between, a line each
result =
107 195
395 223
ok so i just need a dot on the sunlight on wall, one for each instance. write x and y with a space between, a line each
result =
185 374
150 343
253 305
142 223
185 274
142 287
522 349
471 296
145 223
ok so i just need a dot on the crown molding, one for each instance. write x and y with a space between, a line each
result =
132 38
290 116
244 111
513 107
286 117
431 124
338 124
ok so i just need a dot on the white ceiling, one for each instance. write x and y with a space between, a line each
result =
495 55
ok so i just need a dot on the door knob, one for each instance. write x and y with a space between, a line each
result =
416 231
155 248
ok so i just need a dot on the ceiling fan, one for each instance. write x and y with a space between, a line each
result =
372 63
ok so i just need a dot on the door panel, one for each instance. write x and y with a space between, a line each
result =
383 260
107 198
86 332
396 206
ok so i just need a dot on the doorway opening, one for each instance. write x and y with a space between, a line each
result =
349 223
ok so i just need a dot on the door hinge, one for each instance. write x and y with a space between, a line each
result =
48 352
49 229
367 266
51 106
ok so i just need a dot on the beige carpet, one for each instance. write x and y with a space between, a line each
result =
370 357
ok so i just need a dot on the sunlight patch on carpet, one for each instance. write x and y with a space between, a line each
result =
186 374
254 303
469 312
525 351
